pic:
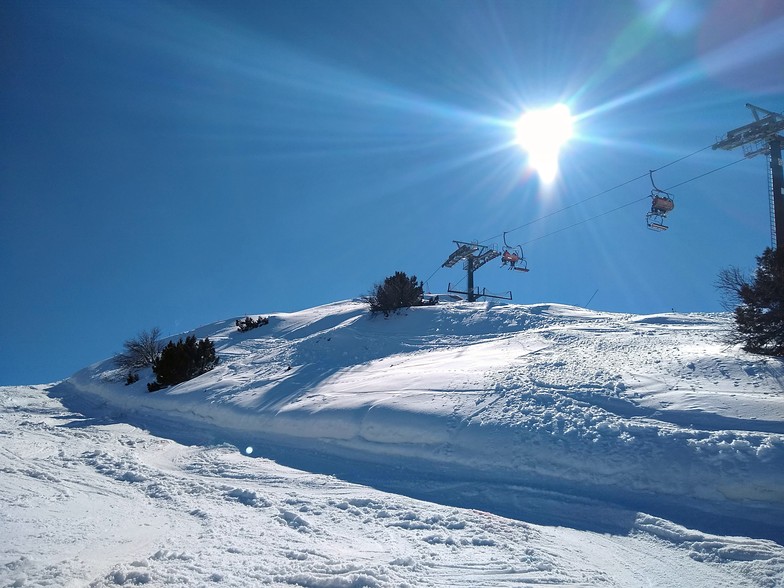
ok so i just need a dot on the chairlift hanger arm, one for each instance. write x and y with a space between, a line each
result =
656 189
508 247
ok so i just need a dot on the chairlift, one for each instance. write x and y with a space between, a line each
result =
661 204
513 257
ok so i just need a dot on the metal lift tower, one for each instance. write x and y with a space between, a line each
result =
762 136
474 257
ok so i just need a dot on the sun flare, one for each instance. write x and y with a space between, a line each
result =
542 133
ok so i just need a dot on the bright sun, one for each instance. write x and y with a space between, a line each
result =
542 133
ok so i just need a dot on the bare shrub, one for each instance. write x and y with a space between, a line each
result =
141 351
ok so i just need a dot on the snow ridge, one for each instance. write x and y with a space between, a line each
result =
641 413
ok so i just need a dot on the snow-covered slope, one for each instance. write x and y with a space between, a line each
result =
92 503
588 423
653 413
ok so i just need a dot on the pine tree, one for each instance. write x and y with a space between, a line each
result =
397 291
184 361
759 316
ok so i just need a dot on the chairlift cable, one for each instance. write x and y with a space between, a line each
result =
606 212
546 216
682 158
602 193
706 173
632 202
430 277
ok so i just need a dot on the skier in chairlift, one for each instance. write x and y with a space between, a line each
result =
510 258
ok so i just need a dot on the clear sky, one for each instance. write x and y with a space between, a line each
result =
172 164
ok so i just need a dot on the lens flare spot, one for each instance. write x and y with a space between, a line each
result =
542 133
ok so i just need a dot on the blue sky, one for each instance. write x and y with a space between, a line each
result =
172 164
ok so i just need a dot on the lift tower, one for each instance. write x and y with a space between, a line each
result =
473 256
762 136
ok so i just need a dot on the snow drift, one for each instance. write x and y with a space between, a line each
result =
99 503
501 407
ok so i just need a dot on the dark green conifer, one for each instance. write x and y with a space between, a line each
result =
184 361
760 316
397 291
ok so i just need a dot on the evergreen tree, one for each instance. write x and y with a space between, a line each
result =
184 361
397 291
759 316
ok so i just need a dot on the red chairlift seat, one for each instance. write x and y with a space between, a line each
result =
662 204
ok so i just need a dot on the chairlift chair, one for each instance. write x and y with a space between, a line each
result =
661 204
514 257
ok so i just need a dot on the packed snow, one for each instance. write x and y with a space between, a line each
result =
449 445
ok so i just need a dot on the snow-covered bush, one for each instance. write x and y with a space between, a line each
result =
248 323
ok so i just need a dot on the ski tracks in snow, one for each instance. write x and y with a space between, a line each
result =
101 505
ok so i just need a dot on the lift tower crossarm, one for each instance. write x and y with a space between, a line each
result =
755 110
463 250
475 256
762 130
762 136
480 254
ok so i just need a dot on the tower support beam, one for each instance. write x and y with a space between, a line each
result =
474 256
777 189
762 136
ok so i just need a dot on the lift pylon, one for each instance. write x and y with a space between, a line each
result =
473 256
762 136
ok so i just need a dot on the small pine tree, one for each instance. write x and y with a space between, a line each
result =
397 291
183 361
759 316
